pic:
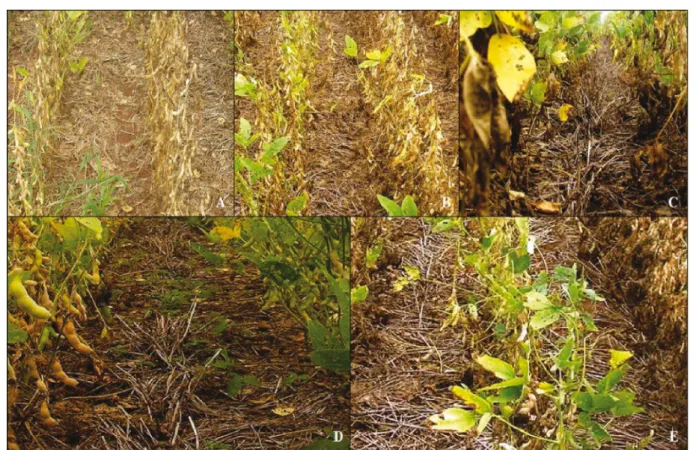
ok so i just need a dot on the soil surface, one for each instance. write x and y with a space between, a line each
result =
174 320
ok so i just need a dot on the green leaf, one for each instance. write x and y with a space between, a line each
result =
563 359
212 257
373 254
93 224
443 225
392 208
588 321
583 400
537 93
480 404
536 301
443 19
251 380
626 410
611 379
351 47
408 207
368 63
517 381
234 385
15 334
619 357
500 368
544 318
275 147
506 395
337 360
359 295
22 71
256 169
602 402
519 263
598 432
78 66
483 422
244 87
454 419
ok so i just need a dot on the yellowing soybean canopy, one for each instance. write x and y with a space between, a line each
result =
470 21
514 65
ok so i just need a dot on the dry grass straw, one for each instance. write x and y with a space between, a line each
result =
405 116
169 77
34 115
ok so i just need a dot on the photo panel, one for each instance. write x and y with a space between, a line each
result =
120 113
348 113
519 333
178 332
573 113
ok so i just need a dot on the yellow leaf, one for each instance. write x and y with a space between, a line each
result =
563 112
284 410
559 57
126 208
514 65
547 207
516 19
571 22
470 21
227 233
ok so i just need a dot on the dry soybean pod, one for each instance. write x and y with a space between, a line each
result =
23 300
74 340
60 374
45 414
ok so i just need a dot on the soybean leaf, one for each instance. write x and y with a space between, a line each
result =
15 334
408 207
454 419
500 368
544 318
359 294
480 404
392 208
351 47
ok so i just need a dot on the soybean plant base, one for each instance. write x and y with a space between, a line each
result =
407 354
